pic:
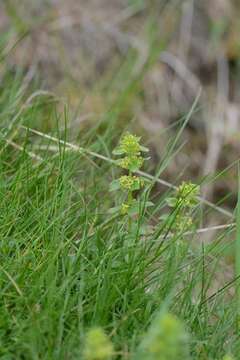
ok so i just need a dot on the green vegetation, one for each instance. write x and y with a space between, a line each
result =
132 162
102 259
79 282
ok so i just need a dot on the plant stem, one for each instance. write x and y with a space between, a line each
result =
130 199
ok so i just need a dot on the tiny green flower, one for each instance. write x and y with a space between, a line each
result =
97 345
184 201
132 163
130 144
130 183
124 209
182 223
187 194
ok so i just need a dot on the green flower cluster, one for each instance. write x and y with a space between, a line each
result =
183 222
187 194
184 201
131 183
97 345
129 147
132 163
166 339
228 357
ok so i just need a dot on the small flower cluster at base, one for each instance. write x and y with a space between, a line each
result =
167 340
97 345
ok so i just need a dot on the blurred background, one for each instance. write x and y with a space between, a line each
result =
141 62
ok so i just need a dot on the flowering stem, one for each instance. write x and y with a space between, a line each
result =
131 161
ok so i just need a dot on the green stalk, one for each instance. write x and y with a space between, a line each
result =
130 199
237 259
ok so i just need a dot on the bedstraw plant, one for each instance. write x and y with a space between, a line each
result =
182 204
131 161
